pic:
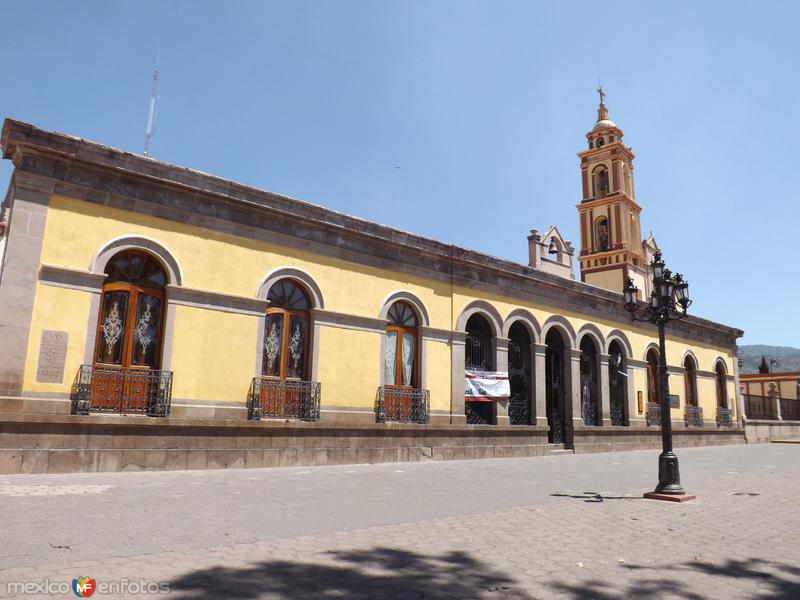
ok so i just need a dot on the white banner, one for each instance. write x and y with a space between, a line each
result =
486 386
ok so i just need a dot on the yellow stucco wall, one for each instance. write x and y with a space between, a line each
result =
218 349
214 352
57 309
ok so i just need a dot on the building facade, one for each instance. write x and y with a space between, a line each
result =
771 396
132 286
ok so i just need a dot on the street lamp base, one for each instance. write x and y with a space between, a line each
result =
669 477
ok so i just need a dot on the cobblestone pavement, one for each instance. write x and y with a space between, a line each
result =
566 526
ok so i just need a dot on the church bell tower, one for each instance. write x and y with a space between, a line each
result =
611 237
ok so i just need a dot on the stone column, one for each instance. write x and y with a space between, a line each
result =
573 391
776 399
604 390
538 352
739 398
631 397
457 416
501 362
28 200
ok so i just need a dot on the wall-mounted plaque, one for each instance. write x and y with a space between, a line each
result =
52 356
674 401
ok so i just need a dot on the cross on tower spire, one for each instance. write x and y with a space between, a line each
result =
602 111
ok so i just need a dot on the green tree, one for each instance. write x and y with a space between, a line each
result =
763 367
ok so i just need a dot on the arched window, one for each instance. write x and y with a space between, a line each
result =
722 387
600 181
519 373
617 378
601 234
130 325
286 332
653 388
478 345
690 381
555 390
588 370
478 357
400 368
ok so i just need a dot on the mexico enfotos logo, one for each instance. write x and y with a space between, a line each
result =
85 587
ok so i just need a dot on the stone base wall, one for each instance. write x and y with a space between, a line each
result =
758 432
66 444
619 439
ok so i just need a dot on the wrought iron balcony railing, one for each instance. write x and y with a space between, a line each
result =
724 417
283 399
693 416
790 409
653 414
402 405
121 390
760 407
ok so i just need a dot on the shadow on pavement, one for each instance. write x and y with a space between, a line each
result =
776 581
595 497
362 574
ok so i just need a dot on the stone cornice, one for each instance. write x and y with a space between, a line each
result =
105 175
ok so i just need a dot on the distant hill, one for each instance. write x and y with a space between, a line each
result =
788 358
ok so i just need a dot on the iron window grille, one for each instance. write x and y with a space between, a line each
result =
724 417
283 399
693 416
653 414
402 405
121 390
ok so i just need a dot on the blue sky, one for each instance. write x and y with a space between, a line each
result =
481 105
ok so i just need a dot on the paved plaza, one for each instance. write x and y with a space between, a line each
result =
567 526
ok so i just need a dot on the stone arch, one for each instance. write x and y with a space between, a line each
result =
405 296
563 326
271 278
528 321
615 335
686 353
487 310
593 332
138 242
720 361
650 346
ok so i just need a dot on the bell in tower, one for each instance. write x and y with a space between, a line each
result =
611 240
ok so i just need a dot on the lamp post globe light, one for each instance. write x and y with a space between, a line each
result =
669 301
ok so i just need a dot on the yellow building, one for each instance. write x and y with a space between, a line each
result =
137 287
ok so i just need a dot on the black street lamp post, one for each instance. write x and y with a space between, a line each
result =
668 301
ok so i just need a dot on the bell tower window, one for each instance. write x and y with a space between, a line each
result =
601 234
600 181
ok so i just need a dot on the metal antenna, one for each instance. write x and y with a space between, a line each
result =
151 113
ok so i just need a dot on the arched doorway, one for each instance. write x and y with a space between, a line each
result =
590 399
617 383
125 373
478 357
554 387
519 373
